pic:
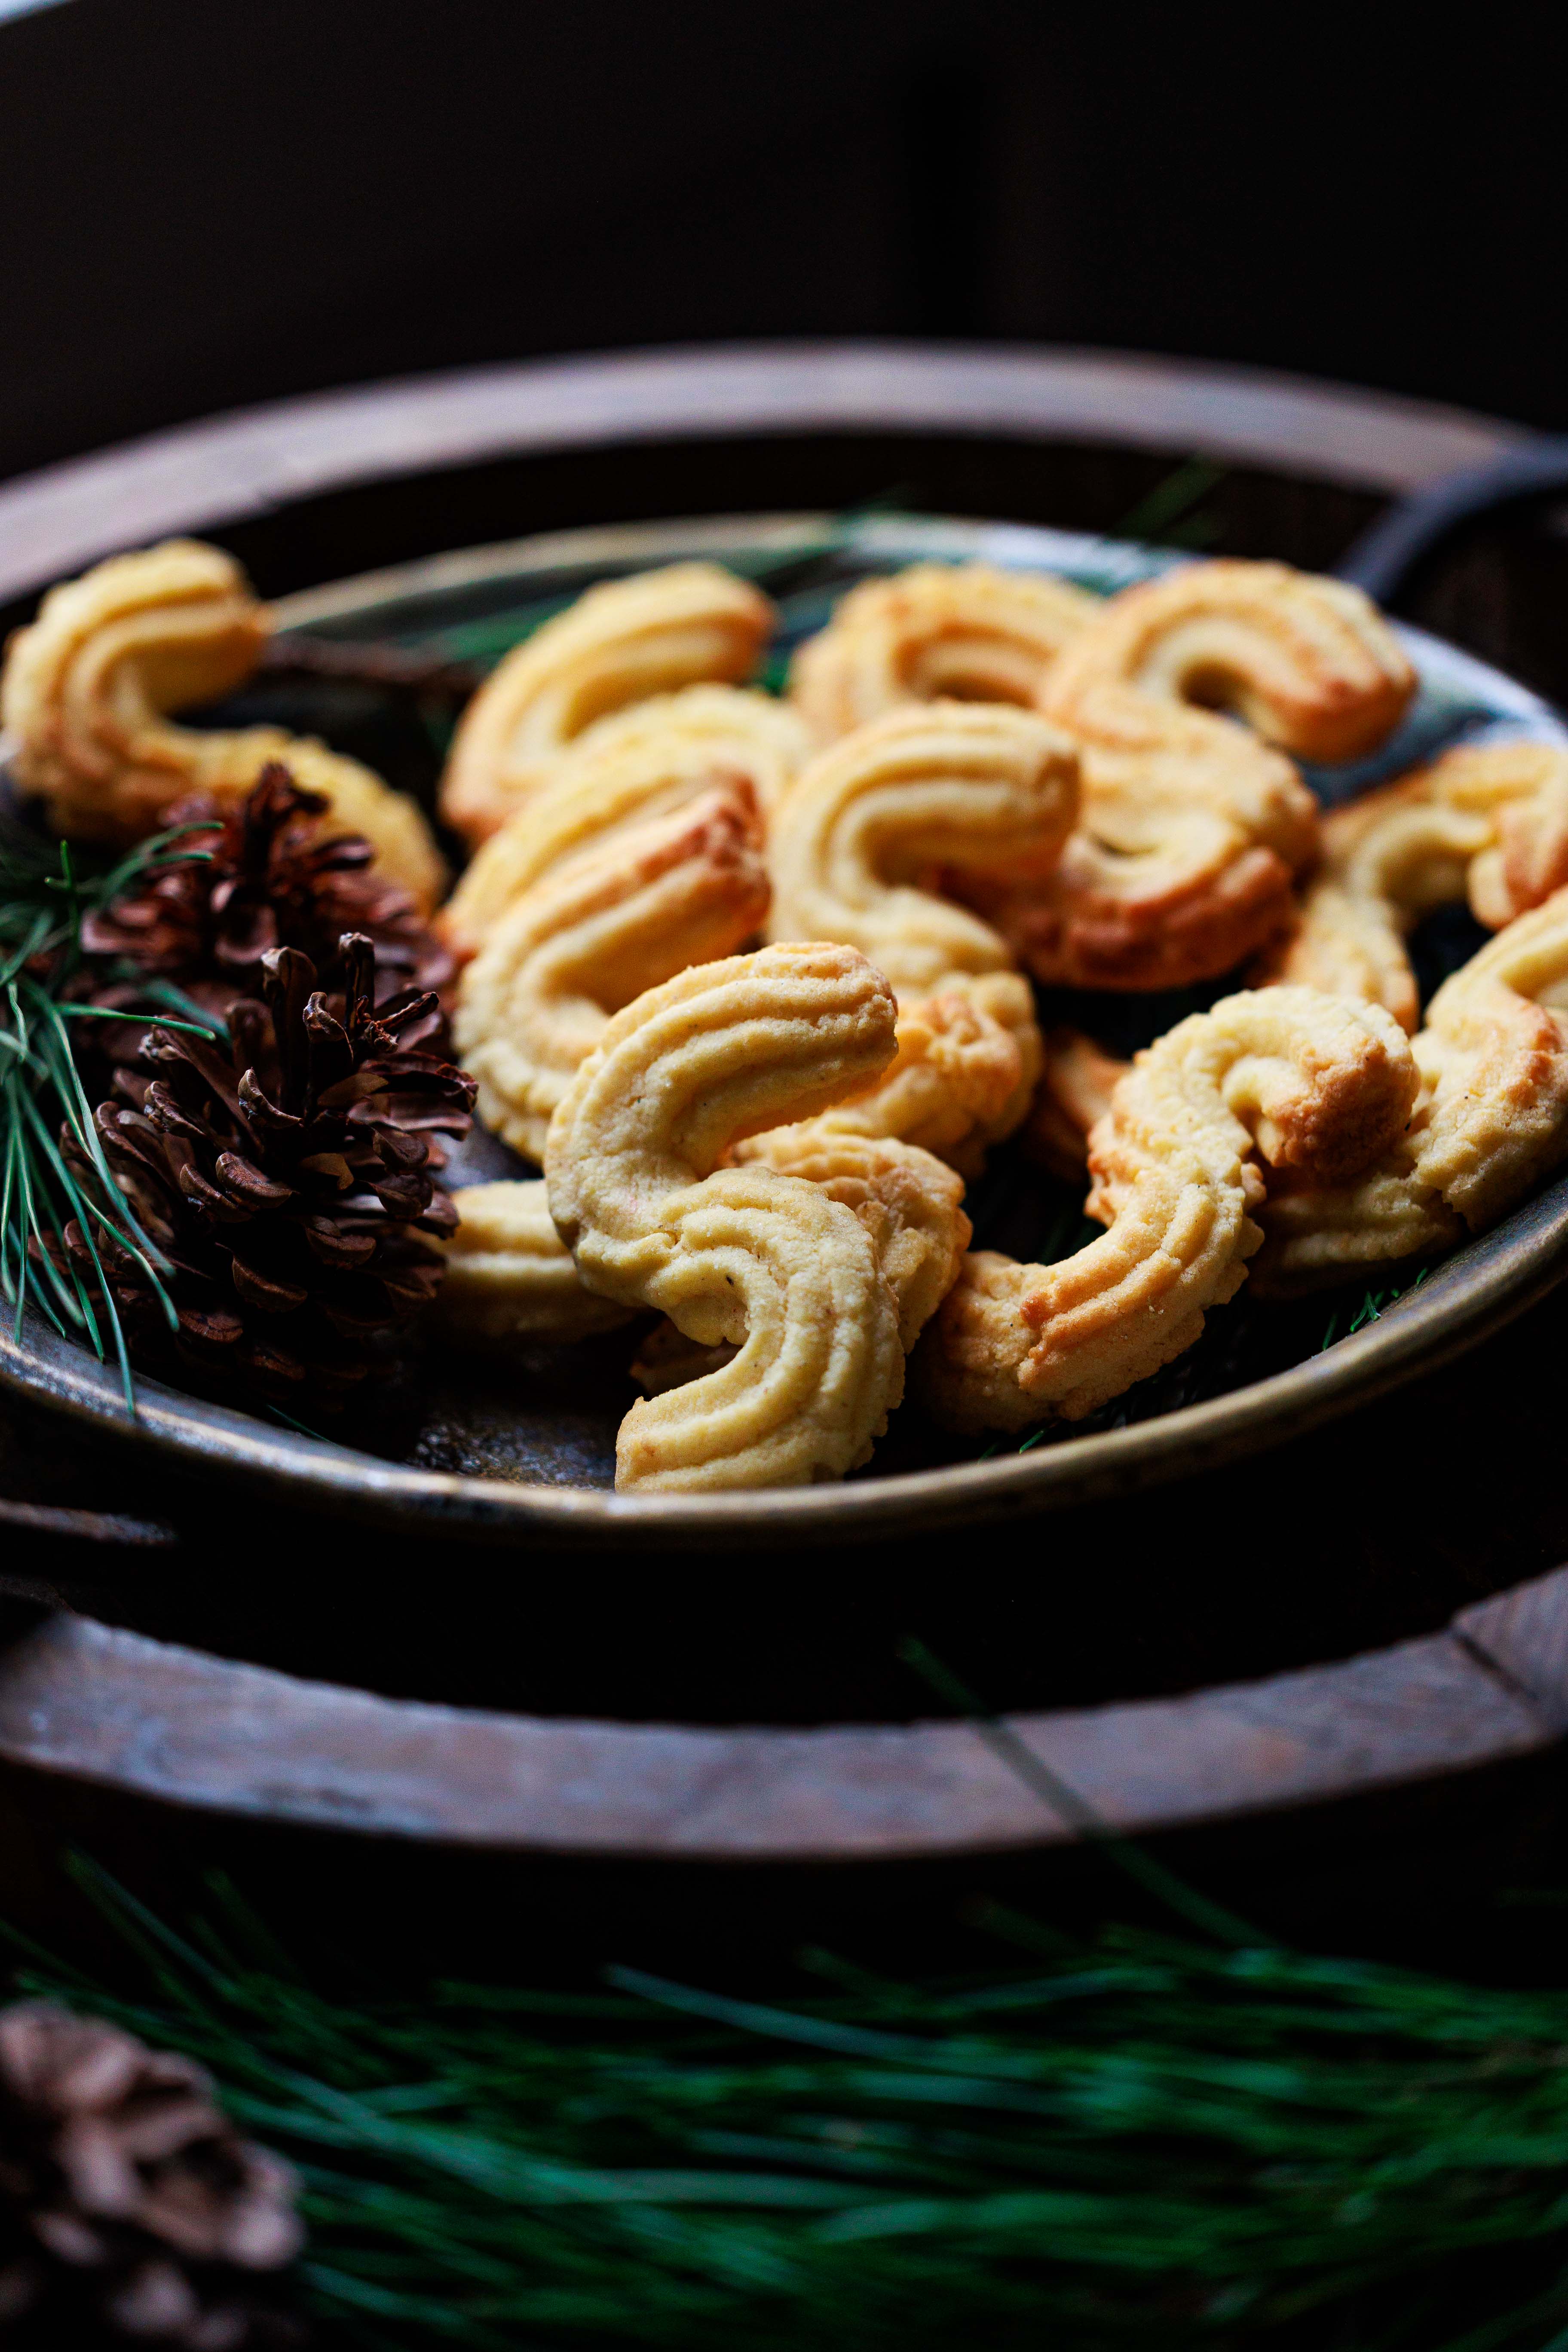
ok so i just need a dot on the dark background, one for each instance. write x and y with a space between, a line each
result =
205 205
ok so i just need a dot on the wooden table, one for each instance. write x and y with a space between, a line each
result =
1165 1653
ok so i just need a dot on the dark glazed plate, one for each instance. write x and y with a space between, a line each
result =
529 1455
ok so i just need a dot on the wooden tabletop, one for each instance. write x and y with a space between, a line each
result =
1384 1534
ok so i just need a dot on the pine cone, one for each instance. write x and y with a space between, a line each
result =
267 877
289 1173
128 2203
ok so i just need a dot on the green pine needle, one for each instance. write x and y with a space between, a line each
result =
44 894
1376 1303
1142 2139
1165 515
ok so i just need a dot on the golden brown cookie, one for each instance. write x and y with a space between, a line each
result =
1152 892
910 1202
1491 1119
980 787
1193 825
1075 1091
966 1064
1489 821
768 1264
1305 662
1306 1083
938 632
593 934
656 756
967 786
88 688
618 645
733 727
509 1277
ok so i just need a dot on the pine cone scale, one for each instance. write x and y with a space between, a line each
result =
293 1188
130 2199
287 1171
246 1185
268 1291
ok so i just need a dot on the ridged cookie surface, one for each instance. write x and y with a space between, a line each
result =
619 644
590 935
88 688
763 1262
935 632
1302 1082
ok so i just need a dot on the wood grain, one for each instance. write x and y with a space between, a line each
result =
114 1709
1523 1634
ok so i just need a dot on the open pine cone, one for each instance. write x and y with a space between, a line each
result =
264 873
288 1175
129 2205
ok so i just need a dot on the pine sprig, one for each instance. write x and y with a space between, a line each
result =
44 895
1143 2139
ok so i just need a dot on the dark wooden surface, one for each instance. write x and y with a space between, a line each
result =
1369 1536
167 1722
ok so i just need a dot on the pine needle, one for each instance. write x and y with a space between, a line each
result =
1143 2139
44 895
1166 516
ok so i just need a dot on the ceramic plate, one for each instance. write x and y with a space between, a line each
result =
526 1454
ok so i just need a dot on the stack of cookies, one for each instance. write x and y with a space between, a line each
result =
752 980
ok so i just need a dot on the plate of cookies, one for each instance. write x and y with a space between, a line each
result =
785 1025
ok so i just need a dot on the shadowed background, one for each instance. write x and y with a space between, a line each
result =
208 207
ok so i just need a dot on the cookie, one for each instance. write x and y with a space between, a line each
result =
509 1277
1491 1119
619 644
934 633
1194 826
593 934
1488 822
734 1254
88 688
656 756
910 1202
852 848
955 786
1296 1081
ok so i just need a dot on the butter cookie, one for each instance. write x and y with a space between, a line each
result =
88 688
509 1277
1491 1119
1193 825
740 1254
1305 1083
618 645
1488 822
590 935
852 845
910 1202
653 757
938 632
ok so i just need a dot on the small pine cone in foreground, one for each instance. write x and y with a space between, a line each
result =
257 874
289 1176
130 2209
